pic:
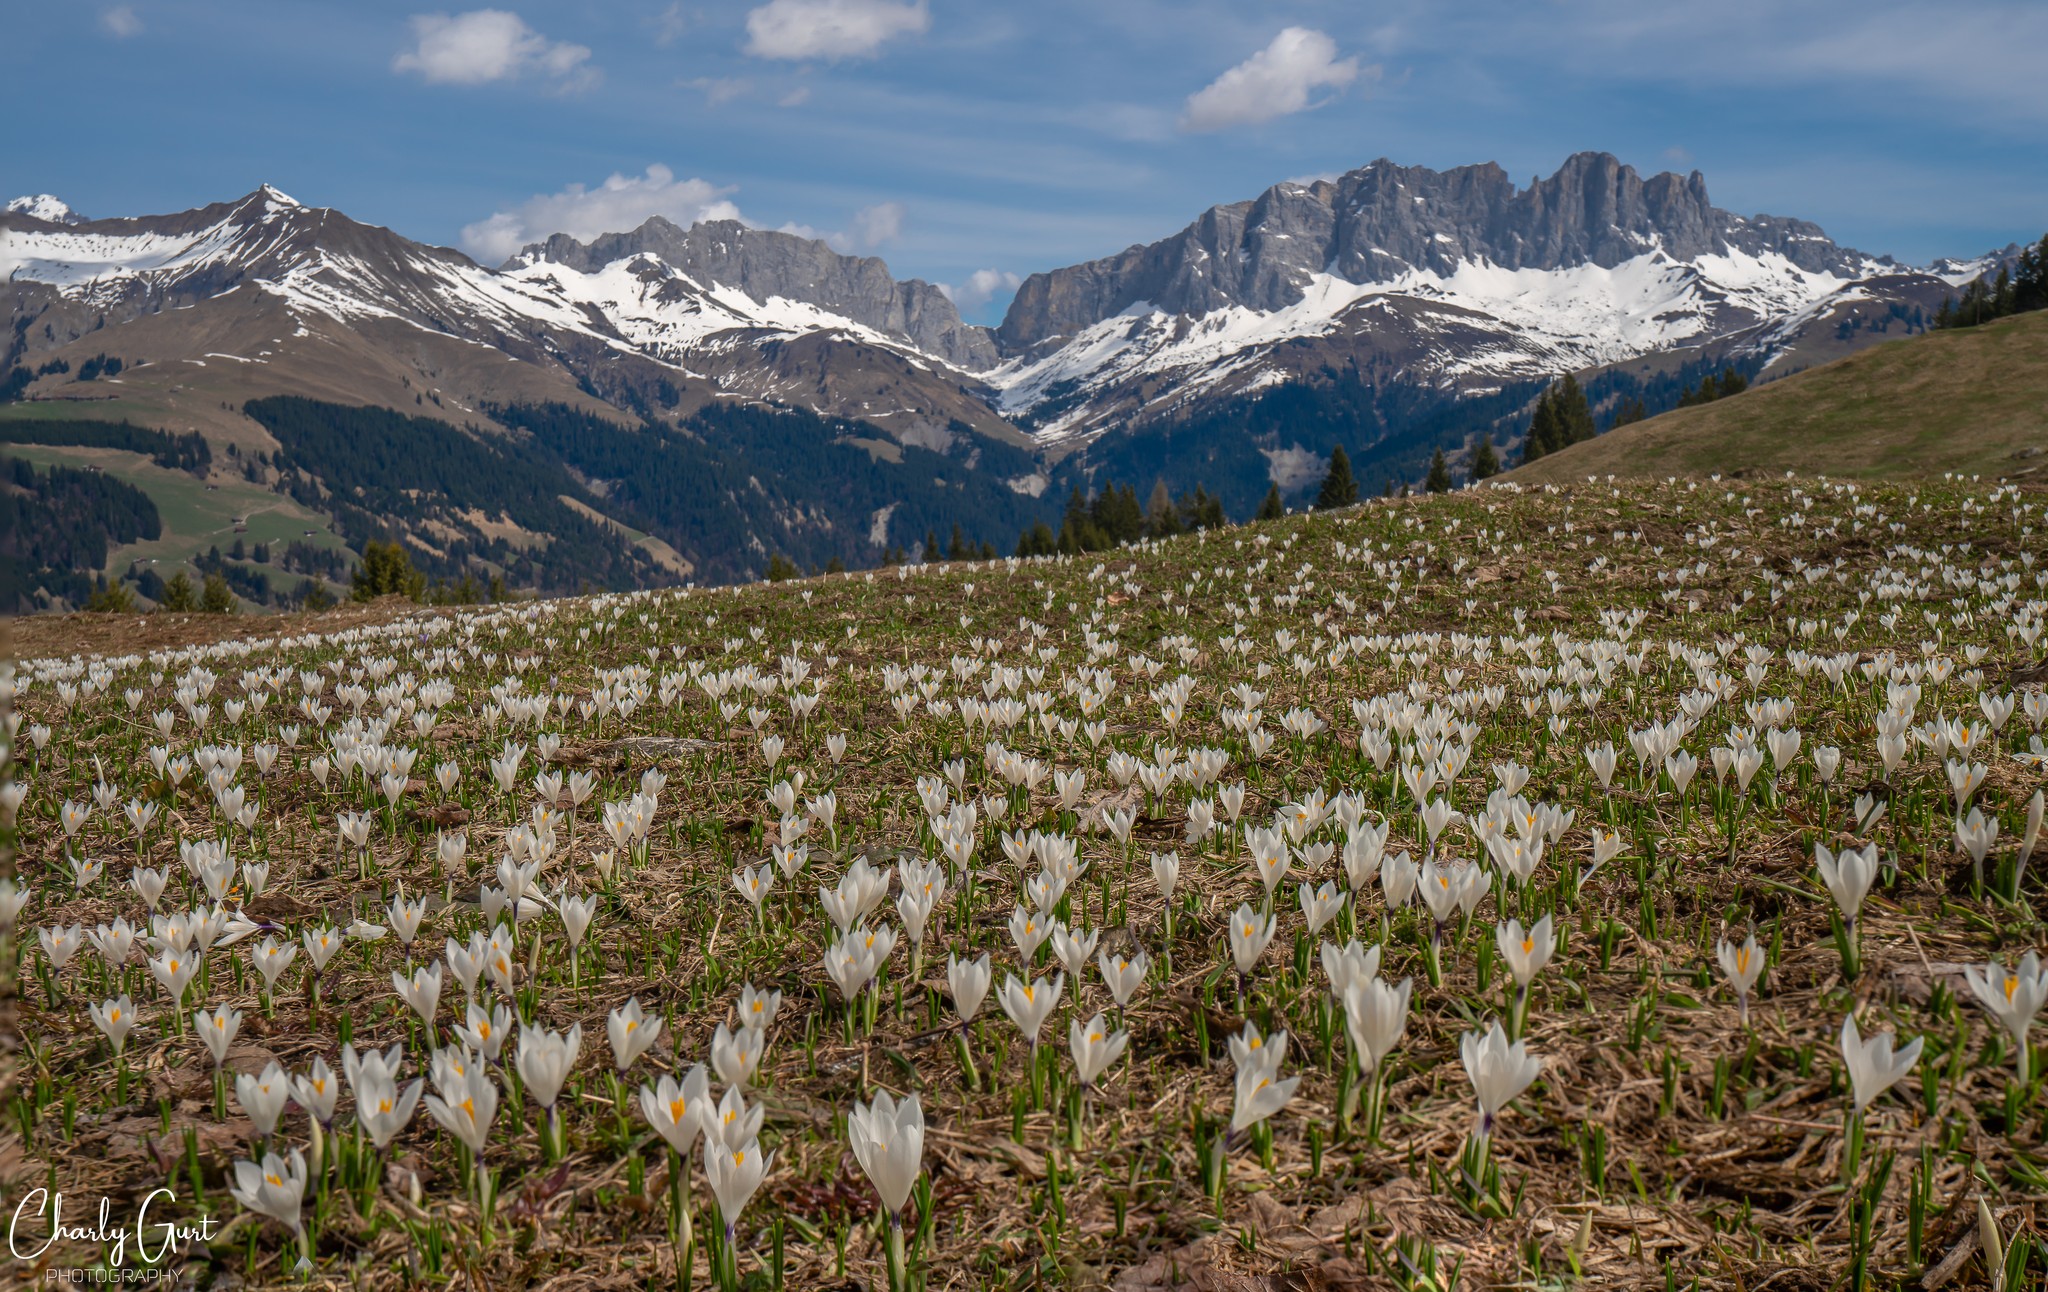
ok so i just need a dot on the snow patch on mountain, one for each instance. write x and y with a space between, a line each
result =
1546 321
878 525
666 314
42 206
1292 467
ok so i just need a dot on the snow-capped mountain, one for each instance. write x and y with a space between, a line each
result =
42 206
682 287
1390 309
1458 280
277 284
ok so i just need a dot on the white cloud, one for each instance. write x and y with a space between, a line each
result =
981 287
621 203
872 226
719 89
1275 82
801 29
671 25
875 225
487 45
121 21
794 97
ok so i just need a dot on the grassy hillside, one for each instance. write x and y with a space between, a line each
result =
1664 1108
1974 401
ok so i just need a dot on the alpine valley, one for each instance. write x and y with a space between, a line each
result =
664 403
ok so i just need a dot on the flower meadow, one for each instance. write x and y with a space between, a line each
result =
1616 885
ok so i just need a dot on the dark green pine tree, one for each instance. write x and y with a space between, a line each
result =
1271 509
1339 489
1039 540
1545 434
1485 460
1630 412
2030 283
1439 480
178 594
1574 414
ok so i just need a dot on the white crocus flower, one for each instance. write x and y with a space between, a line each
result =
1249 937
1499 1070
678 1110
263 1097
1742 966
1123 976
1873 1065
470 1104
887 1138
275 1188
545 1059
969 982
1320 905
1030 1004
631 1032
1848 876
735 1172
736 1056
1376 1015
1095 1047
421 992
2013 997
115 1019
1525 951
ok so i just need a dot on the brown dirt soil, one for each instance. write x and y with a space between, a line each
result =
47 636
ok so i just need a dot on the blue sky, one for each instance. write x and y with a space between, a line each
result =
971 142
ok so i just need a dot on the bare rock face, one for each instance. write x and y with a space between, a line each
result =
766 263
1381 221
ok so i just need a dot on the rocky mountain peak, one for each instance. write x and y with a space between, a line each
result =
1384 222
44 207
768 263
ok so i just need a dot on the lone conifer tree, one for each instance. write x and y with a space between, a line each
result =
1439 480
1544 433
1271 509
1562 417
1339 489
1574 414
179 594
1485 460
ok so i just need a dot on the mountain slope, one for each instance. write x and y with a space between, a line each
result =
740 276
1458 280
1390 311
1969 400
268 281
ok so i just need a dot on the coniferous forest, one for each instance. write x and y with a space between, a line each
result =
57 525
2017 289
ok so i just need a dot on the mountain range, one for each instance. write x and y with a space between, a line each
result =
1391 309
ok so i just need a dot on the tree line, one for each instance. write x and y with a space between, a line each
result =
2018 289
1113 517
58 524
187 452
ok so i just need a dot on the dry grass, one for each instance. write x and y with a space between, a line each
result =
1721 1164
1972 401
